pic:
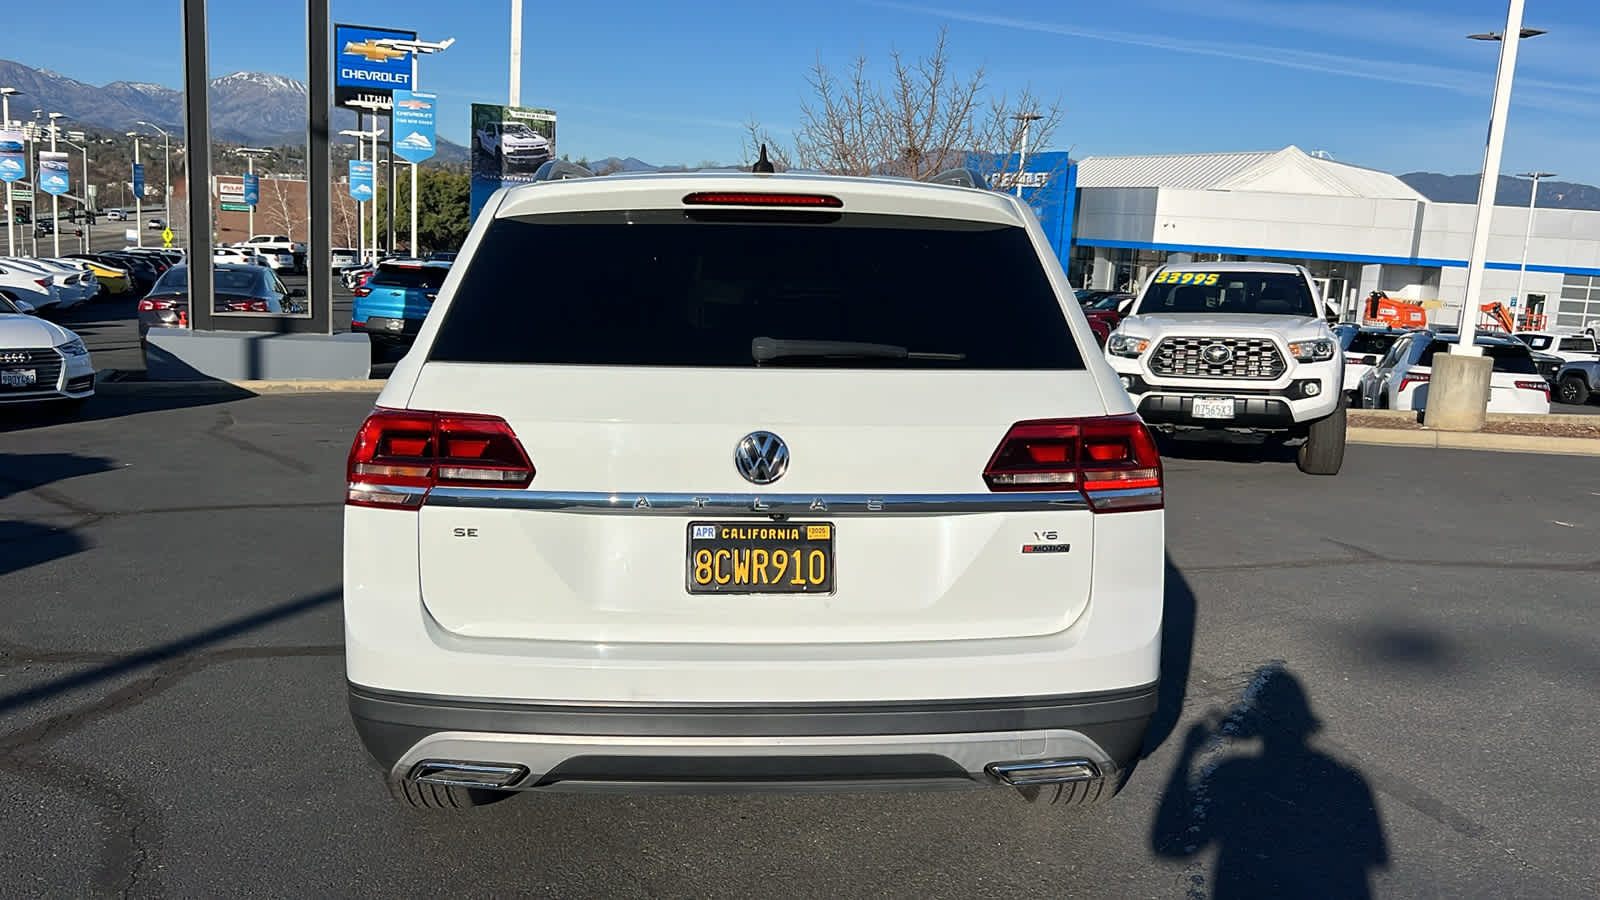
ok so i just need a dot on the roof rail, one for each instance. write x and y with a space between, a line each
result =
560 170
961 178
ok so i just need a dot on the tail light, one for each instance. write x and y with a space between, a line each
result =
149 305
1113 460
42 282
400 455
1413 379
751 198
1542 386
363 291
247 306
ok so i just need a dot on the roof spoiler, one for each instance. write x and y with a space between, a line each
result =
961 178
560 170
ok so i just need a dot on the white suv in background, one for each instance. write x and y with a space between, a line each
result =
1236 347
751 493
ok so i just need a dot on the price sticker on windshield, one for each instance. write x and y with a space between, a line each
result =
1205 278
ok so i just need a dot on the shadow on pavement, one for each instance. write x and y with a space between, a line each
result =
113 403
1288 821
1177 648
1225 448
25 544
172 650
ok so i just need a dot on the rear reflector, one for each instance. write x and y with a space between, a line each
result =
400 455
1111 459
744 198
1535 386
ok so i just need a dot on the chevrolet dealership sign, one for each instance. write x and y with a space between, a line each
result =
360 61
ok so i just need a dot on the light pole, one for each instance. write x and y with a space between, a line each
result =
1533 200
55 199
166 185
250 154
516 53
88 229
416 48
138 196
1027 120
11 211
1458 395
361 219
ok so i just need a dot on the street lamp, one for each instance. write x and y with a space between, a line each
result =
1458 395
417 48
1533 200
516 53
88 228
1027 120
138 195
55 199
166 185
361 219
11 211
250 154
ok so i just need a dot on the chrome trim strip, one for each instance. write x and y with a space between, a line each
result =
1125 497
756 505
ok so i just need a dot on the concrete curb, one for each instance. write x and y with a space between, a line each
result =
1401 415
1454 440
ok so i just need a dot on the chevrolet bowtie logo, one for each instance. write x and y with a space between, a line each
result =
414 104
372 51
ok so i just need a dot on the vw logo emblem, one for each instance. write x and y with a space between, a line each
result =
761 457
14 356
1217 354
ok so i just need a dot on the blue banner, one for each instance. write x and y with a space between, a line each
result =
138 180
413 125
1049 182
252 189
362 62
54 175
360 180
13 159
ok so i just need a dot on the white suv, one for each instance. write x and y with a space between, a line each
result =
777 481
1236 347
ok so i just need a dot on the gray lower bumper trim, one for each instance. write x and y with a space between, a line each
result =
391 723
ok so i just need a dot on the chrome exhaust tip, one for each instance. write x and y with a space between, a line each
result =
1044 771
468 775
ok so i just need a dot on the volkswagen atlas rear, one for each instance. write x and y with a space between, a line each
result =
774 481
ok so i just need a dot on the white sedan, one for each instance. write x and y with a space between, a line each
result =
20 281
1400 380
40 361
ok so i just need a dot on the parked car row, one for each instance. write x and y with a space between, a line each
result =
47 284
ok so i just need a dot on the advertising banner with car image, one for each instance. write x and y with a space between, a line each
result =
55 176
13 158
509 144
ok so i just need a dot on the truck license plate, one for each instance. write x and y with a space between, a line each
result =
1213 407
19 377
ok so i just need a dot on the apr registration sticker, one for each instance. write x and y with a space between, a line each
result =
1205 278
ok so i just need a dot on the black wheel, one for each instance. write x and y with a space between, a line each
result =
1323 451
1573 390
418 795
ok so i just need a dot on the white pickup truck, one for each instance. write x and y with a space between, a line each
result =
1236 347
272 245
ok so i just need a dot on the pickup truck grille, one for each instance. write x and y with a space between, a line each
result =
1188 357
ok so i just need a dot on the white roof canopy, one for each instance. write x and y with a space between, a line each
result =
1287 171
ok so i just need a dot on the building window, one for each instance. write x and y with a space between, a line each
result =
1580 301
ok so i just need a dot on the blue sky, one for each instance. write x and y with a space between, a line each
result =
1393 85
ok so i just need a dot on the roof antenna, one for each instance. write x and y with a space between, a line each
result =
763 165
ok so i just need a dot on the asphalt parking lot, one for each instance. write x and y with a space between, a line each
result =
172 717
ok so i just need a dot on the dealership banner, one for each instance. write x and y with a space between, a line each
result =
509 144
13 159
1049 183
252 189
413 125
54 175
360 180
138 180
366 71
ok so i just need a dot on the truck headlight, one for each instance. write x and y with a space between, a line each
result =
1126 345
1318 350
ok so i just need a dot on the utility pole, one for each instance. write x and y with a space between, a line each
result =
516 53
1527 237
138 196
55 199
250 154
1027 120
11 210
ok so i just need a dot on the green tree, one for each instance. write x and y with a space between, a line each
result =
443 202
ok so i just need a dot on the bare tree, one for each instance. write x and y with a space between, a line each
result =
345 213
279 217
927 118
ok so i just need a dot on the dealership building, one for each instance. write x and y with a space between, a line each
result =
1357 230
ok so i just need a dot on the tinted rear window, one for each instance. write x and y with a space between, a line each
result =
1516 360
1364 343
424 277
664 288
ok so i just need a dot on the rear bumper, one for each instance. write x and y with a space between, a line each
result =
745 746
387 328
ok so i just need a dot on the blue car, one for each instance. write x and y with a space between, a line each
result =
390 307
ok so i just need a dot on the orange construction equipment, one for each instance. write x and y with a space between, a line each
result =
1500 316
1381 310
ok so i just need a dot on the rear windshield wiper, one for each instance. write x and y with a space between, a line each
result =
766 349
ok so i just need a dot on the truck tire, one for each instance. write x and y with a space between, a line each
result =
1323 450
1573 389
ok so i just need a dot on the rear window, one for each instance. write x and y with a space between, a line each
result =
1507 357
424 277
668 288
1577 345
1366 343
1199 291
176 280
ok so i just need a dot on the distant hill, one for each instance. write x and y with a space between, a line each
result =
1511 191
252 108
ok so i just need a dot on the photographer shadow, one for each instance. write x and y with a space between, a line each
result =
1289 821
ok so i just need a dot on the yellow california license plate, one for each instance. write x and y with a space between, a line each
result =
760 558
